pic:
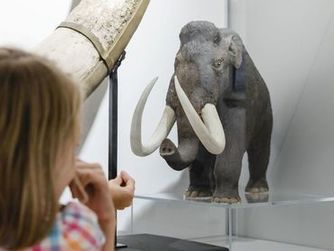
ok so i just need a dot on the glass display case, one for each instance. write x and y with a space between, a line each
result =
231 237
291 46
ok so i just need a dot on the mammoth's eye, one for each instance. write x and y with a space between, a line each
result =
217 63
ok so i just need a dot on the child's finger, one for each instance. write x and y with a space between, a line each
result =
93 180
126 177
84 165
118 180
88 174
128 180
74 190
78 191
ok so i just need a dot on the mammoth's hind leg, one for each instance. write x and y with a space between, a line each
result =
201 178
258 158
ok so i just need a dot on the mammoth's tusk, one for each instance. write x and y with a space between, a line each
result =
211 132
165 125
93 37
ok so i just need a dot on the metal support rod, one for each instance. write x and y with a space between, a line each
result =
113 130
113 119
113 127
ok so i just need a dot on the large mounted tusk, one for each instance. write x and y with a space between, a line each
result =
211 132
165 125
87 45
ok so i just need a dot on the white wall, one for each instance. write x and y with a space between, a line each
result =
26 23
291 42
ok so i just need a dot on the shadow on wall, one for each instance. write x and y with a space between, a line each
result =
90 108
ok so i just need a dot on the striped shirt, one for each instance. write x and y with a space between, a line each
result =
76 228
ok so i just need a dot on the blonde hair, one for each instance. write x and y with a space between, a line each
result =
39 109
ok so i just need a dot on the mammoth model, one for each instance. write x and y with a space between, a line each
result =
222 108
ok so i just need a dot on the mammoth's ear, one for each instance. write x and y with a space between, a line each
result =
235 47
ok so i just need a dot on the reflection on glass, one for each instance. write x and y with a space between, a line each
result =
272 198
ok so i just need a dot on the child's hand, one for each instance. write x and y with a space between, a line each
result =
122 190
95 184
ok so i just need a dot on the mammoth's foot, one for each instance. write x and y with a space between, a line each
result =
257 197
194 193
258 186
226 197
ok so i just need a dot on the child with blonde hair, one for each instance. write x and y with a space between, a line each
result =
39 130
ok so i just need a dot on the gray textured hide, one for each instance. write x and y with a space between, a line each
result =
213 66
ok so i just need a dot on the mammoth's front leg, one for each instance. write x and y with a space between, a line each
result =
201 176
227 172
228 164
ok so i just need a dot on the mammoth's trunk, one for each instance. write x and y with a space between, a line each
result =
185 153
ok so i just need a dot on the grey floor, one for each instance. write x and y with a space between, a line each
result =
243 244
